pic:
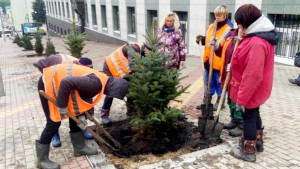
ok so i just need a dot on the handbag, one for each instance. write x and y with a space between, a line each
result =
297 59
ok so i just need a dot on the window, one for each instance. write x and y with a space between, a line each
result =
116 19
63 9
86 14
131 20
151 14
68 10
61 31
55 8
94 16
49 25
103 16
59 9
54 28
65 32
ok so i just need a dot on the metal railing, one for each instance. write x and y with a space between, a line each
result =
289 28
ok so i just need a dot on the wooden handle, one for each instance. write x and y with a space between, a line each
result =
228 74
44 94
103 130
212 48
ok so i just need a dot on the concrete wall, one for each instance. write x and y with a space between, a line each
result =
20 10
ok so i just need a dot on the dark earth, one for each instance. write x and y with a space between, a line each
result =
185 135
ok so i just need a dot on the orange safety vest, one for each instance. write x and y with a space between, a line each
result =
225 45
220 36
67 58
52 77
117 63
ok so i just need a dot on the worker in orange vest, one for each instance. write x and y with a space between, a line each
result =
73 87
224 25
58 59
118 64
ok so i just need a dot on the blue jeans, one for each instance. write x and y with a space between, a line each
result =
215 84
298 78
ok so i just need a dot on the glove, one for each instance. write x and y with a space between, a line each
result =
84 122
63 110
240 107
83 119
228 67
213 41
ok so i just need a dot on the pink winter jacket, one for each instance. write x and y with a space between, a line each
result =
252 65
252 72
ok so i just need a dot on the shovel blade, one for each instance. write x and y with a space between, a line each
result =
218 130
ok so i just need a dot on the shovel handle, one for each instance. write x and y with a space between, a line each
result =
212 48
103 130
228 75
44 94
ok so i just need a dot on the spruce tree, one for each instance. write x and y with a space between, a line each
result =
50 49
75 41
39 48
39 11
152 86
27 43
17 39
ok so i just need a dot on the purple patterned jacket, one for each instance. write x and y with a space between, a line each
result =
173 42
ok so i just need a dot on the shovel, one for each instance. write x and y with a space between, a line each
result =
207 109
217 128
79 123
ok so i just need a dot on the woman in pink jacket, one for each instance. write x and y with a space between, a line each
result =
251 80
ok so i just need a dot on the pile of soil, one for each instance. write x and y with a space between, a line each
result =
184 138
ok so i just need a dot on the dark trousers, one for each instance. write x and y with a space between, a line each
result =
107 102
252 122
51 126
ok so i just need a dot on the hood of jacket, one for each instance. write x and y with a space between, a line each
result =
264 29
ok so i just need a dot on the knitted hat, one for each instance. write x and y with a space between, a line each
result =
85 61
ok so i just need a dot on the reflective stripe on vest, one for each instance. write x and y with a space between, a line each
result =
117 62
76 105
220 35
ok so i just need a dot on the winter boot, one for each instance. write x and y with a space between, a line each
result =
79 146
87 135
238 130
42 154
217 104
204 100
56 140
259 140
232 124
245 152
104 115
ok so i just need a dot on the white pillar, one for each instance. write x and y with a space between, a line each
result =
123 19
141 21
197 21
90 14
65 9
98 14
109 17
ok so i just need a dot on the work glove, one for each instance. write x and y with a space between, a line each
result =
214 41
236 38
63 110
240 107
228 67
84 122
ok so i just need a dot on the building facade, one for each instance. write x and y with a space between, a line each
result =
21 12
120 21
